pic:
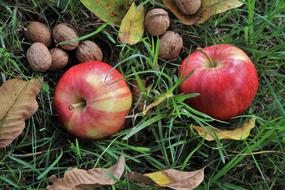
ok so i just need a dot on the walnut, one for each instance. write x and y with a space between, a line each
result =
64 32
39 57
59 59
157 22
188 7
171 44
89 51
38 32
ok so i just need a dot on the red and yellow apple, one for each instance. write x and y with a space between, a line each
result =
92 100
225 78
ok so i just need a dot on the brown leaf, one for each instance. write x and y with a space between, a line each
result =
79 179
171 178
17 104
208 9
236 134
140 178
188 20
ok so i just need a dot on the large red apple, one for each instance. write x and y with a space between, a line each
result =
225 78
92 100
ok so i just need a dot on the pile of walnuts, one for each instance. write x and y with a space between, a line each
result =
41 58
157 23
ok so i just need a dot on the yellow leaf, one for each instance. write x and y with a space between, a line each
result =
174 179
132 26
179 180
236 134
157 102
18 103
159 178
110 11
213 7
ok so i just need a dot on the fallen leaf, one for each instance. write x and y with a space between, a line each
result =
110 11
17 104
236 134
136 177
161 99
175 179
213 7
188 20
132 26
208 9
79 179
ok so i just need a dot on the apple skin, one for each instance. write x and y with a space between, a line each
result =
92 100
227 89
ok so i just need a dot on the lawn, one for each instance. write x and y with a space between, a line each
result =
163 138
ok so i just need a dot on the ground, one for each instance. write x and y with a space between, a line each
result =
163 138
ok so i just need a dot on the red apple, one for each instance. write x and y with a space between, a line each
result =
92 100
225 78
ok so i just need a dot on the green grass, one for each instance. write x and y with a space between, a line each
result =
162 138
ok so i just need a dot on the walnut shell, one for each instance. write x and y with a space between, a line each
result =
88 51
157 22
64 32
171 44
39 57
59 59
188 7
38 32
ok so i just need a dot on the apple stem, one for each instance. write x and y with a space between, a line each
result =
77 105
211 62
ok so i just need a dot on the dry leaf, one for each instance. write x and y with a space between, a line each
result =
79 179
136 177
236 134
158 101
17 104
132 26
213 7
188 20
110 11
208 9
171 178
